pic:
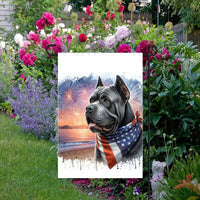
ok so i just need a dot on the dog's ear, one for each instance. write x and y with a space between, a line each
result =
122 89
99 83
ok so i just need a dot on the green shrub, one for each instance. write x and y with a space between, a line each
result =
27 12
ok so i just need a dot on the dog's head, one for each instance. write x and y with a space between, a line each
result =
109 108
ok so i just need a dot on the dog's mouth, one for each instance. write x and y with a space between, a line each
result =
96 128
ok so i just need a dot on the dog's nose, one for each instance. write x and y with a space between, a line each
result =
90 108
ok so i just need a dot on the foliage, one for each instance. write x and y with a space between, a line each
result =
181 169
27 12
78 5
174 106
29 167
191 16
7 71
35 108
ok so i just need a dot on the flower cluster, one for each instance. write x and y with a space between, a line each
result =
164 55
46 20
27 58
90 13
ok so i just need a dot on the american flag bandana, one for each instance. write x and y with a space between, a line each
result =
114 147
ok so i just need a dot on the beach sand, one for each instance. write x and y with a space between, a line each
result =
85 153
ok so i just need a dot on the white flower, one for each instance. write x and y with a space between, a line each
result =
67 30
89 35
122 32
18 39
61 25
84 9
2 45
42 33
87 46
110 42
17 27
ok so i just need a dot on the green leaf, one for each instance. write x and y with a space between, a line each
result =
156 119
162 149
192 198
195 67
184 124
170 158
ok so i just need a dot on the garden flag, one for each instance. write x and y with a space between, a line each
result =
100 115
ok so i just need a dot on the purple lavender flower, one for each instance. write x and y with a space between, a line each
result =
36 108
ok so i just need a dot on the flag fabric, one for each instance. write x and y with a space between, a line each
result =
114 147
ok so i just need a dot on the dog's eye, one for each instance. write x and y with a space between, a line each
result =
106 101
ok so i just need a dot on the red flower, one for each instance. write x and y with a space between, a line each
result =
90 13
143 48
82 37
110 16
121 8
124 48
23 77
45 43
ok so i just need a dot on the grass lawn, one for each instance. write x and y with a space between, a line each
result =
28 168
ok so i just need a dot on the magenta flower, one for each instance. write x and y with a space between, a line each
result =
45 43
59 45
176 62
143 48
164 55
121 7
34 37
111 197
13 115
90 13
46 20
124 48
22 76
29 59
69 39
22 52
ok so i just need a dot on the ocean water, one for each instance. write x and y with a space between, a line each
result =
69 139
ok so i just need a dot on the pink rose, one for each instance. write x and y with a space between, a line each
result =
90 13
45 43
50 19
29 59
46 20
22 52
59 45
110 42
82 37
34 37
110 16
40 23
77 27
124 48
